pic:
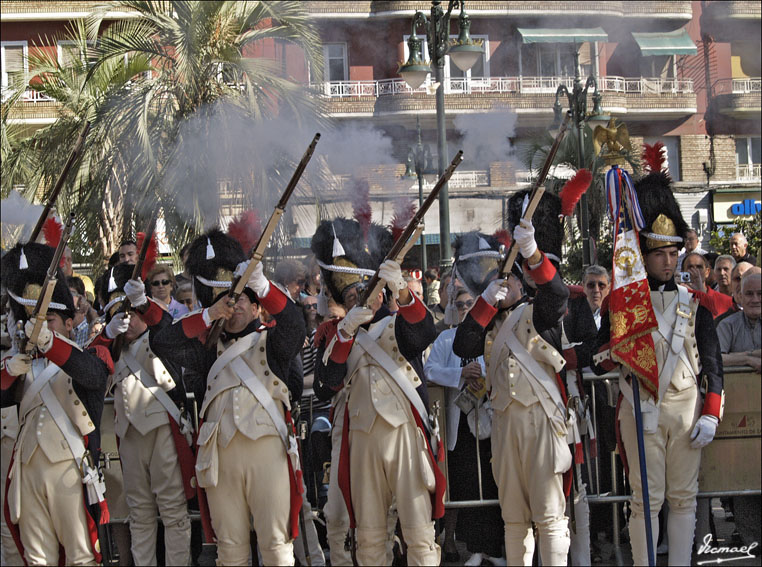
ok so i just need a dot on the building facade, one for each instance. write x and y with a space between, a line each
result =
685 73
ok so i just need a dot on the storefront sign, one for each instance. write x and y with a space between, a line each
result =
728 207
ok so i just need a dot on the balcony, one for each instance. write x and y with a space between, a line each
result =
33 108
748 171
738 98
640 97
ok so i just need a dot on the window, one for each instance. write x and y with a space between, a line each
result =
14 60
335 57
672 153
555 59
69 51
748 158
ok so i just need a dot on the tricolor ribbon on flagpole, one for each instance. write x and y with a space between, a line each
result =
630 310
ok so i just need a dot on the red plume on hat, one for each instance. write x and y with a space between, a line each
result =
246 228
151 253
573 190
503 237
404 210
53 230
654 157
361 206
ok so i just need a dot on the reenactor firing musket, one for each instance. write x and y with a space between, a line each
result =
413 229
239 283
59 184
39 315
534 199
136 271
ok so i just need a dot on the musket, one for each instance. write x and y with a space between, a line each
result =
59 183
534 198
239 283
39 315
116 349
408 236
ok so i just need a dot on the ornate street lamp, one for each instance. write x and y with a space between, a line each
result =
464 53
577 101
419 162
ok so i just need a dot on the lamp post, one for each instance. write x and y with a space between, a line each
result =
577 101
464 53
419 162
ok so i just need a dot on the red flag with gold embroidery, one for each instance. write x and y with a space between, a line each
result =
630 310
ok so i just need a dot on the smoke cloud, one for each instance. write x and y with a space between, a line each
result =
485 136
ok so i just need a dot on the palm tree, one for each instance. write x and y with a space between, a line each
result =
33 162
189 128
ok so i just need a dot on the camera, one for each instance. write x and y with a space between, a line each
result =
685 277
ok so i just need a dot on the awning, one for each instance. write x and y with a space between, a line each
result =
665 43
562 35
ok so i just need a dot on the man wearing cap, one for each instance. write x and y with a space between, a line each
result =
59 388
247 459
150 422
521 344
684 415
374 357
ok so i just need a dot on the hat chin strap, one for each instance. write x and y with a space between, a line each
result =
33 302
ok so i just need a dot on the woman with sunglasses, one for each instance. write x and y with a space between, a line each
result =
161 284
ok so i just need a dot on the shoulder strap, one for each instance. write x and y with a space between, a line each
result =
370 346
37 385
233 351
150 384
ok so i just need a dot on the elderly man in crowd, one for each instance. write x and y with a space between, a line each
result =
723 266
735 289
692 245
739 333
739 249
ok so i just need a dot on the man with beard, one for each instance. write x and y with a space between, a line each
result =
247 459
374 357
61 389
677 422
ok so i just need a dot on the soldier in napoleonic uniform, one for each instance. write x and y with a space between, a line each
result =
521 345
374 356
679 423
55 493
154 432
247 458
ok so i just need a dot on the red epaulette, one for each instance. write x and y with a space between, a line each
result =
576 291
325 332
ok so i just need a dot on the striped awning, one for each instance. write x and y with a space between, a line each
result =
562 35
677 42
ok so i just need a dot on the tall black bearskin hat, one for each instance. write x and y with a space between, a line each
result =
212 259
664 223
548 226
24 268
111 287
346 258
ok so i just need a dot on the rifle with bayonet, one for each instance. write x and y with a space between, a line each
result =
116 349
59 183
408 237
39 315
239 283
534 198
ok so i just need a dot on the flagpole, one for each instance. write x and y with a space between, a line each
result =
643 471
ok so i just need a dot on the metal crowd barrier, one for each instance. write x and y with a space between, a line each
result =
741 427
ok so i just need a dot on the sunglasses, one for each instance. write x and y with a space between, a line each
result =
310 305
157 283
463 304
593 285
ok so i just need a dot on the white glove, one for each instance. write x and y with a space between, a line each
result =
135 291
391 273
19 364
357 316
44 339
118 325
523 234
495 292
257 281
703 432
